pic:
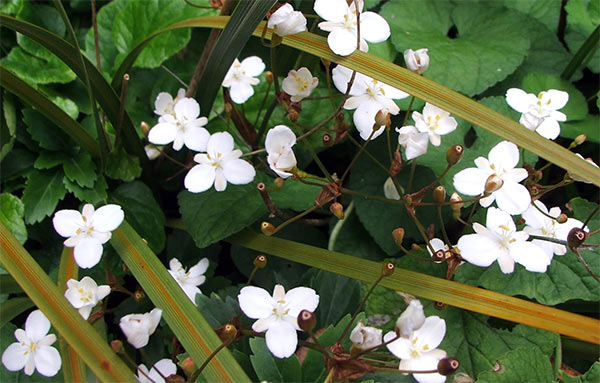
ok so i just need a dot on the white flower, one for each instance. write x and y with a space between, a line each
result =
189 280
152 151
285 21
85 294
575 177
538 223
182 127
164 367
280 156
164 102
138 327
241 76
539 113
417 61
389 189
33 351
364 337
87 231
277 314
434 121
511 197
341 23
221 164
411 319
369 96
500 241
418 351
299 84
413 141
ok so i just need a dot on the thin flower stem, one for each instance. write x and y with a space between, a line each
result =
374 347
197 373
584 263
251 275
413 166
593 232
124 86
330 88
315 157
362 148
371 196
389 144
297 217
447 203
258 151
274 70
162 152
174 76
329 376
96 43
130 361
395 370
265 121
324 350
443 226
262 105
375 160
422 231
557 358
590 216
427 188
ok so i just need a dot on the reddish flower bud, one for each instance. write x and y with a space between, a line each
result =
383 118
260 261
267 228
293 115
187 365
337 209
562 218
398 235
269 76
458 204
327 140
454 154
439 194
388 269
307 320
576 237
493 184
117 346
447 366
228 334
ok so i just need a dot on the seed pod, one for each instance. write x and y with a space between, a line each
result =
228 334
267 228
447 366
145 128
139 294
580 139
439 194
382 118
398 235
269 76
260 261
493 184
457 205
337 209
293 115
117 346
187 365
388 269
576 237
454 154
327 140
307 320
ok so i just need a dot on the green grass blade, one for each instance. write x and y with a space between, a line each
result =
104 93
437 289
184 319
105 364
43 104
585 51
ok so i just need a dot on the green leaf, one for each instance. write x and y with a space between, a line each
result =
338 295
521 365
14 307
546 12
583 16
45 132
8 127
123 166
36 70
565 279
108 51
353 239
12 211
94 195
489 43
216 311
591 376
41 195
10 7
576 108
16 164
81 169
48 159
211 215
588 126
293 195
143 213
271 369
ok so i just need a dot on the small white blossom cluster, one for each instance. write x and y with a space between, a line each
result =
539 113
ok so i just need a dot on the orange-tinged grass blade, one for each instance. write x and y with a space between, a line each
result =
437 289
80 335
190 327
73 367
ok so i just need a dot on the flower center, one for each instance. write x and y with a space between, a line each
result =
506 236
281 309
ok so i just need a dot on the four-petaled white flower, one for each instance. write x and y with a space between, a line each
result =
411 319
221 164
364 337
33 351
369 96
280 155
181 128
85 294
511 197
341 22
417 61
539 113
500 241
299 84
278 314
413 141
138 327
241 76
165 103
87 231
435 122
418 351
164 367
575 177
285 21
389 189
539 223
189 280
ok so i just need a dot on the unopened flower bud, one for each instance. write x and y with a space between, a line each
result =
457 202
267 228
461 377
327 140
398 235
493 184
260 261
139 294
117 346
307 320
228 334
439 194
440 305
278 183
382 118
562 218
447 366
337 209
576 237
417 61
580 139
388 269
145 128
293 115
269 76
454 154
416 247
187 365
411 319
174 379
300 174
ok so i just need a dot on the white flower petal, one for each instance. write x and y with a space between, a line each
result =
478 249
187 109
37 326
15 357
518 99
238 172
241 92
373 27
431 333
108 218
162 133
425 362
196 138
301 298
88 252
47 361
549 128
506 263
400 347
255 302
341 41
253 66
66 222
530 255
513 198
200 178
505 155
281 339
471 181
331 10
